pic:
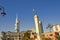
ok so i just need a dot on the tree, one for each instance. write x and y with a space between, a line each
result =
26 35
42 36
57 37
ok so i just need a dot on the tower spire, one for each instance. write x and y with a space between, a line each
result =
17 24
34 11
17 21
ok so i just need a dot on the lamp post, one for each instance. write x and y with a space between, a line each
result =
2 10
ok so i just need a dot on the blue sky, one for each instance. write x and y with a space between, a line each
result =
47 10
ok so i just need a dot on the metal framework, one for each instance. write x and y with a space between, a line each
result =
2 10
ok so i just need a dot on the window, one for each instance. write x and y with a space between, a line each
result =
56 33
51 34
33 33
8 39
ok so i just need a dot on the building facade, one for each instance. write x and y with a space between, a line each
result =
17 35
12 35
51 35
56 28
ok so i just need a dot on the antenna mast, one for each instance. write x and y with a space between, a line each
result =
34 11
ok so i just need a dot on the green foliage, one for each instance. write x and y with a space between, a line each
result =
32 39
26 35
57 37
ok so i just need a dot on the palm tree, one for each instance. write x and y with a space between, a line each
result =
49 26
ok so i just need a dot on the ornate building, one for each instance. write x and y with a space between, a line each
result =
17 35
50 35
12 35
56 28
17 24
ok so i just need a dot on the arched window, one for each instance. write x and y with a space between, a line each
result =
8 38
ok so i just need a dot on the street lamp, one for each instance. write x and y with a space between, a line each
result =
3 11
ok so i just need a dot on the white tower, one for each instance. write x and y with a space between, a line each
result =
37 25
17 24
41 27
